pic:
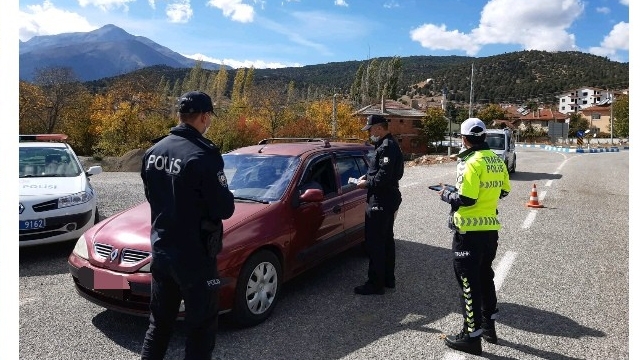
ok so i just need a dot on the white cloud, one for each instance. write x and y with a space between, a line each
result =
617 39
258 64
105 5
534 25
391 4
341 3
152 3
438 38
179 12
235 9
624 2
603 10
46 19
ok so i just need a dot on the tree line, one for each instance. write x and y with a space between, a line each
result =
132 110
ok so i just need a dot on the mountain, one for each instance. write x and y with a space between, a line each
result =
105 52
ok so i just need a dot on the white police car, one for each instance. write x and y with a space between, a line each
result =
57 201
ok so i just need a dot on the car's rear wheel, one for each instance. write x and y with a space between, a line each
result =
513 168
257 290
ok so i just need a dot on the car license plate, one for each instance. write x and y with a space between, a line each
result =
32 224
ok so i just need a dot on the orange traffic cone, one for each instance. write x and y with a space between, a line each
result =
533 199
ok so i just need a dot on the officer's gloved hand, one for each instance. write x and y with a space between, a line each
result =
503 193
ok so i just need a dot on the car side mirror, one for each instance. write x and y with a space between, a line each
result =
94 170
312 195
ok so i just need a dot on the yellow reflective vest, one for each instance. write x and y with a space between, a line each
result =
481 176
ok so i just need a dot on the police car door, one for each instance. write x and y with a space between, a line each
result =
318 225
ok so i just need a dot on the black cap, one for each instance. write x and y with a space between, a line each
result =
374 119
195 102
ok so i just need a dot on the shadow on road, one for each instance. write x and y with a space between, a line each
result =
319 316
532 176
49 259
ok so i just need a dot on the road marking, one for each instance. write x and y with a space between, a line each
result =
549 182
530 218
542 195
449 355
503 268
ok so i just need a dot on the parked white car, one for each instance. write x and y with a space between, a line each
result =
57 201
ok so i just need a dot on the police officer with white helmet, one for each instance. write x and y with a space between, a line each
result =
482 179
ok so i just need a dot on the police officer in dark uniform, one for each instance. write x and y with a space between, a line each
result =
383 200
185 184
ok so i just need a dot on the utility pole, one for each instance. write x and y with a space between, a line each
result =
334 118
611 115
445 91
471 94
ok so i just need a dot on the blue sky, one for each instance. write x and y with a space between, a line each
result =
266 33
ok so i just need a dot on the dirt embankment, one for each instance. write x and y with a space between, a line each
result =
129 162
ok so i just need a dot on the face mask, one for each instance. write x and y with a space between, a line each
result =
374 138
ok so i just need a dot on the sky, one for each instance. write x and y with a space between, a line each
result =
285 33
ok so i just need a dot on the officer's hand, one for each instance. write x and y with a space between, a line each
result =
441 189
362 183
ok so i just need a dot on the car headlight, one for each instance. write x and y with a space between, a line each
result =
81 249
75 199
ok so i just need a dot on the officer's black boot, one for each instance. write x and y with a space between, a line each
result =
489 328
464 342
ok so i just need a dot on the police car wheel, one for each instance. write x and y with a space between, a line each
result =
257 289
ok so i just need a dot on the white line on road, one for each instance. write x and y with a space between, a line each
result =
503 268
530 218
542 195
453 356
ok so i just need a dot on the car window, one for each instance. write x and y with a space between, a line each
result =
320 174
259 177
348 168
495 141
47 162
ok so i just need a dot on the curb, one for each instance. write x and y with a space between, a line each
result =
574 150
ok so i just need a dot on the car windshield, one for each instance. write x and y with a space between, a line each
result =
258 177
495 141
47 162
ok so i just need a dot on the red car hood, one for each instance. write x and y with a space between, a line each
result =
131 228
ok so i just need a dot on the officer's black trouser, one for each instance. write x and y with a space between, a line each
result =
473 253
380 245
201 315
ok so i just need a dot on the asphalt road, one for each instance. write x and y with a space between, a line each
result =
562 274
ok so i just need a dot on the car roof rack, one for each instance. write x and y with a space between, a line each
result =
292 139
43 137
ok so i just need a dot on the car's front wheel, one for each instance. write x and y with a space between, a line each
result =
96 217
257 290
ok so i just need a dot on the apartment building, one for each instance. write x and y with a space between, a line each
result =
576 100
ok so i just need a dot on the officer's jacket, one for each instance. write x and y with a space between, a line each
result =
385 171
185 184
482 180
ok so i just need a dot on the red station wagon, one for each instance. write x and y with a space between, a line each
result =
294 208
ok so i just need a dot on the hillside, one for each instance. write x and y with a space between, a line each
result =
511 77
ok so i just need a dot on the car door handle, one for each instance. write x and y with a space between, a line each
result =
336 209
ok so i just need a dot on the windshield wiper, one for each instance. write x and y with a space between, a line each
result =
250 199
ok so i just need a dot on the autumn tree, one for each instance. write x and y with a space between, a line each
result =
491 112
621 117
31 109
59 88
434 125
128 116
